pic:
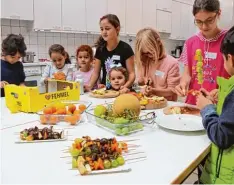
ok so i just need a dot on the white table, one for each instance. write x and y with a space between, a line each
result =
171 156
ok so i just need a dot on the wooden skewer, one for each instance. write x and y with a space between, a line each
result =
143 157
136 161
127 154
19 124
130 140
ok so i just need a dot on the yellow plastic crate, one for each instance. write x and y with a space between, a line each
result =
29 99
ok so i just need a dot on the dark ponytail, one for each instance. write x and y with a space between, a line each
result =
114 21
67 60
206 5
57 48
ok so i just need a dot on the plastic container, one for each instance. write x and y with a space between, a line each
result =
68 118
121 129
79 79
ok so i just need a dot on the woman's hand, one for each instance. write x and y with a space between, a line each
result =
3 84
148 91
100 86
202 101
87 88
212 95
46 80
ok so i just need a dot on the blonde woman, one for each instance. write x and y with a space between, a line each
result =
156 70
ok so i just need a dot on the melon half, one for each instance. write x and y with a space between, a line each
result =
126 102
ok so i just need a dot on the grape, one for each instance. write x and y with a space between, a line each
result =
199 64
118 131
120 121
120 160
125 130
74 163
107 164
88 151
114 163
74 152
139 126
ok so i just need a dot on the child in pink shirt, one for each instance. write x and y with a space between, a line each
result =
208 40
156 69
84 55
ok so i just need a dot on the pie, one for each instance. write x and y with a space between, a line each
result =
182 110
154 102
103 93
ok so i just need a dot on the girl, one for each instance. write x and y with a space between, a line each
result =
206 13
155 69
58 56
111 52
118 77
84 56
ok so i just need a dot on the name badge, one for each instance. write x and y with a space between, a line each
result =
159 73
210 55
115 57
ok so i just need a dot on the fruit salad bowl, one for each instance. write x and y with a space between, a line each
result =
63 111
102 116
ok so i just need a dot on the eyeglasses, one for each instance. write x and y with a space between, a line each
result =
206 22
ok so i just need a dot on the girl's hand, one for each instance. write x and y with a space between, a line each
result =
46 80
202 102
123 90
212 95
100 86
148 91
87 88
3 84
181 89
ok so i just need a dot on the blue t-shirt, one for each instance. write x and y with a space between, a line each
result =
12 73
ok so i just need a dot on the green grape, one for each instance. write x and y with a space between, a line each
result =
118 131
199 64
107 164
120 120
114 163
99 110
120 160
198 69
74 152
74 163
139 126
125 130
88 151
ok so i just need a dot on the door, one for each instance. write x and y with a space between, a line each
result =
164 5
16 9
118 8
163 21
176 20
47 14
95 9
133 16
149 13
73 15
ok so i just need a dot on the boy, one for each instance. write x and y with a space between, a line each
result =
219 122
13 48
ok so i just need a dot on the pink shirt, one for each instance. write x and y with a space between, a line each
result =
164 76
213 64
86 76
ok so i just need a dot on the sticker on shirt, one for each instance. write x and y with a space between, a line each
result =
159 73
210 55
115 57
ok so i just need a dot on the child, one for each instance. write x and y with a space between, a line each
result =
84 56
111 52
156 70
12 71
58 66
219 122
206 13
118 77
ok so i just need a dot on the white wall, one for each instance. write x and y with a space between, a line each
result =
39 42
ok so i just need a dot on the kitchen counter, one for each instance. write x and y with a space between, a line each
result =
35 64
171 156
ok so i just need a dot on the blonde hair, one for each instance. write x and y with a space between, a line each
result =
150 40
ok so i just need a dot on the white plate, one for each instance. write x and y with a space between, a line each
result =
182 122
18 140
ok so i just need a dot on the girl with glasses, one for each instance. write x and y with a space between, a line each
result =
208 40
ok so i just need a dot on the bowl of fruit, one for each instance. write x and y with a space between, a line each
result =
121 117
63 111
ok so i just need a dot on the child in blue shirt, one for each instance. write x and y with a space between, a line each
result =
12 71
